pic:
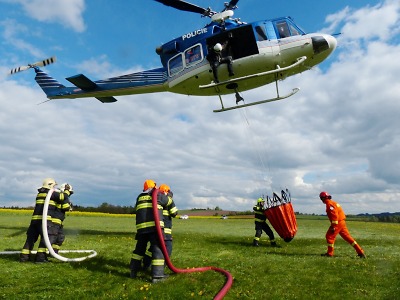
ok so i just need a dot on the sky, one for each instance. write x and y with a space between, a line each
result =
340 133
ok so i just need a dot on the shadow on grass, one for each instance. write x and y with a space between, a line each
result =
109 266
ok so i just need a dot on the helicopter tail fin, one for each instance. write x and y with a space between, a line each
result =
48 84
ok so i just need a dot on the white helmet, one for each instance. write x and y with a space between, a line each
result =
66 186
49 183
218 47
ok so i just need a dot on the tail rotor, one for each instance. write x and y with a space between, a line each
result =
41 63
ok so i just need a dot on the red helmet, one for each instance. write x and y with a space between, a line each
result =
324 195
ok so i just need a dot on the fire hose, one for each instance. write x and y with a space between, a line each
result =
47 240
229 279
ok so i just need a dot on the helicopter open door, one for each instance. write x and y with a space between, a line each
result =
241 41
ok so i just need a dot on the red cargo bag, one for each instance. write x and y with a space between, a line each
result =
281 215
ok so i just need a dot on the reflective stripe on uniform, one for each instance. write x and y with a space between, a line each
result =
136 256
145 225
56 221
157 262
144 205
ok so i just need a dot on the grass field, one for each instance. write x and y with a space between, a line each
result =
294 271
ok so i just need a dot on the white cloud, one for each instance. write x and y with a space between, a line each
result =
12 31
66 12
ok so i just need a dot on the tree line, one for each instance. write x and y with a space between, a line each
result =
118 209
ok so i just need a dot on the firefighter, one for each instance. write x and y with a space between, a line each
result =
146 232
260 220
219 55
58 216
35 227
337 218
170 212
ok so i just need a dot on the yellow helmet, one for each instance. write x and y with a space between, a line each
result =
259 200
49 183
148 184
164 188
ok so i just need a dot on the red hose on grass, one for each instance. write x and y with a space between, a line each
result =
160 235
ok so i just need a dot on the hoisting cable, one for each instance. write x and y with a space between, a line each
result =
93 253
229 278
264 167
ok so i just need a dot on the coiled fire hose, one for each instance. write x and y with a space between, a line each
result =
229 279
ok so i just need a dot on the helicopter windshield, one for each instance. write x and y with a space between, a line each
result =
276 29
286 29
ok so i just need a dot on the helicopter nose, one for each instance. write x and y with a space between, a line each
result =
322 43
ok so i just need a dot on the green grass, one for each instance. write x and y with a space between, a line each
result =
294 271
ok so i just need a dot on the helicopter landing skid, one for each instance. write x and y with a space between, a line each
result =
294 91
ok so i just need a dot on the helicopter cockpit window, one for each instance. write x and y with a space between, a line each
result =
193 55
294 30
175 64
283 29
261 34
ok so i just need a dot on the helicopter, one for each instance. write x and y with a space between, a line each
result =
260 53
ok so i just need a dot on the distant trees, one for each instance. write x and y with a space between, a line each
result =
107 208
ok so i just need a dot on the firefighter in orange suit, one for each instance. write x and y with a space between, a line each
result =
337 218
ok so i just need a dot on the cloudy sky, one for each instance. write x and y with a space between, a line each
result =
340 133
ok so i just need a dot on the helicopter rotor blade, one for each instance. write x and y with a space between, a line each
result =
231 5
186 6
41 63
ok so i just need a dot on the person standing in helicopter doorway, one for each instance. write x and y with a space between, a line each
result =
260 220
337 218
218 55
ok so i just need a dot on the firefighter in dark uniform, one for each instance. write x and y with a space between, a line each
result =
218 55
35 227
58 216
260 220
170 212
146 232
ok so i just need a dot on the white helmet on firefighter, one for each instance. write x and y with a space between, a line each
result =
217 47
66 186
49 183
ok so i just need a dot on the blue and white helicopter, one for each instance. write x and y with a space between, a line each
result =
261 53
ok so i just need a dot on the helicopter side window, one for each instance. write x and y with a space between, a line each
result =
175 64
261 34
283 29
193 55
